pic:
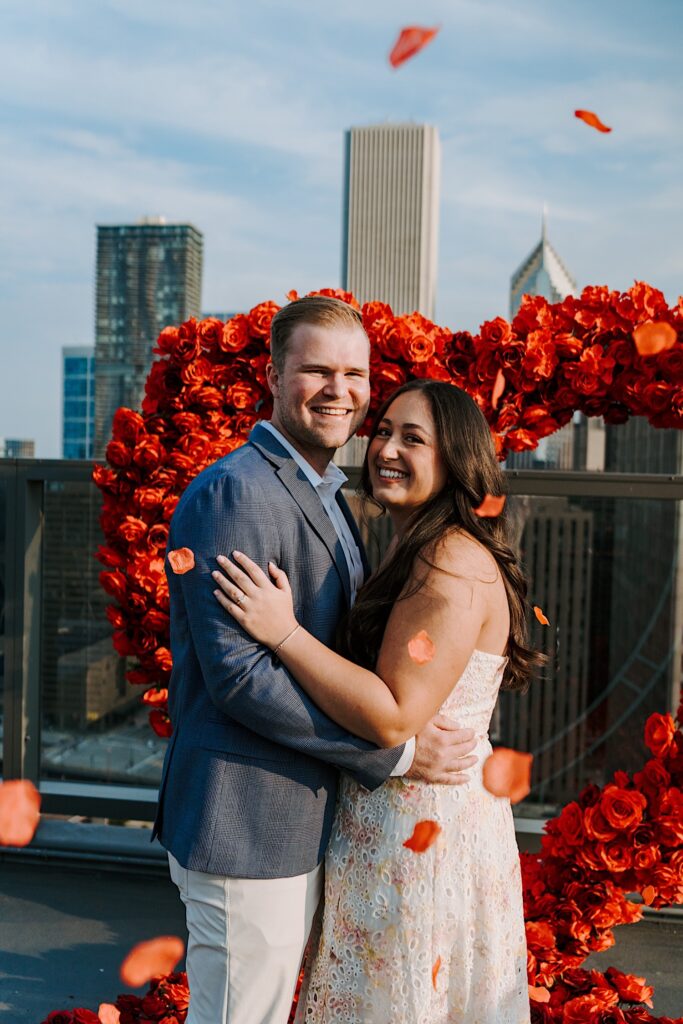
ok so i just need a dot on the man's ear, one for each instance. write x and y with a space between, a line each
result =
273 379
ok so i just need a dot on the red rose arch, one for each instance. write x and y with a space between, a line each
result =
605 353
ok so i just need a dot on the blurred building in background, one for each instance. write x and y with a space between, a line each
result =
390 215
148 275
78 401
17 448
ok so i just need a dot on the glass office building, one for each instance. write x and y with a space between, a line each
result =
148 276
78 401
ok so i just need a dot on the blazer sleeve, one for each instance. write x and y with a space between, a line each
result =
243 678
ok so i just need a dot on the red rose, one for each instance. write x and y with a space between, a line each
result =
540 358
167 341
204 395
659 733
148 452
115 584
177 994
132 529
622 808
155 620
111 557
188 346
592 373
630 988
652 780
521 440
495 332
243 396
83 1016
197 372
118 454
59 1017
235 334
161 723
210 333
570 824
616 856
260 318
582 1010
540 937
338 293
127 426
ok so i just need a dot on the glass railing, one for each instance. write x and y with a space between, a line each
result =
602 552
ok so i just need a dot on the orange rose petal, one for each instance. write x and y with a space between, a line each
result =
508 773
649 893
19 812
491 506
424 834
654 337
592 120
435 970
498 389
151 959
539 995
421 648
108 1014
410 41
541 616
182 560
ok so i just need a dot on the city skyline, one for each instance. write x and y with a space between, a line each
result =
103 127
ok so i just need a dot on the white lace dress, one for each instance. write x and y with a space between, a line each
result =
423 938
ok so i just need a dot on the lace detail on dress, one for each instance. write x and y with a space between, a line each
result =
392 915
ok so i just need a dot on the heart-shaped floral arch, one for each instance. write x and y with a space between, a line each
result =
204 393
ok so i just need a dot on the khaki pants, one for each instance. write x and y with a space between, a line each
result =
247 937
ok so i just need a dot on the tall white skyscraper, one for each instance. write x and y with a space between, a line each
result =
391 207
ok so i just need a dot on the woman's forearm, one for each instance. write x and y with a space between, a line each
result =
354 697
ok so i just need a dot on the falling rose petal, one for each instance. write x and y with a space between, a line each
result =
108 1014
421 648
508 773
498 389
410 41
435 970
491 506
652 338
151 959
539 995
541 616
424 834
19 812
182 560
649 893
592 120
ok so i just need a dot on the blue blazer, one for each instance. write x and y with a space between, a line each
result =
250 775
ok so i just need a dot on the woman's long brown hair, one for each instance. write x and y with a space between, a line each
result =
467 450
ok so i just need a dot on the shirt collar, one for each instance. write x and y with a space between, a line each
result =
333 477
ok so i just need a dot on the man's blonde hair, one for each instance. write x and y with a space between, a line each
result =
320 310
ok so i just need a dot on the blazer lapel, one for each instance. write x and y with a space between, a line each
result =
304 495
353 526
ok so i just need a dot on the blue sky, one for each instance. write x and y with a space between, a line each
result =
231 116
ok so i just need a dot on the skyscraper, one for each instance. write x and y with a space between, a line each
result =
148 275
541 273
17 448
391 201
78 401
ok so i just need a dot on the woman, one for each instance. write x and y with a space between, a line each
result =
412 935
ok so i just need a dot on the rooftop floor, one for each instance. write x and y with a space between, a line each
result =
65 928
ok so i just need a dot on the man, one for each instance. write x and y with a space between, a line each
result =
248 790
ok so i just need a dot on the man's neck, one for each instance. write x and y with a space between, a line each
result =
318 458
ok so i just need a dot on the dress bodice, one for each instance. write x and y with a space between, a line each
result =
474 696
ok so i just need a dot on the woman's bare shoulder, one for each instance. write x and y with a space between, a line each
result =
460 553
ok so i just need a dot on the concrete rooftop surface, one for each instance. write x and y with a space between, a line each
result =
65 927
